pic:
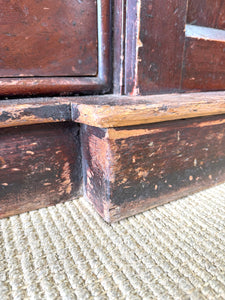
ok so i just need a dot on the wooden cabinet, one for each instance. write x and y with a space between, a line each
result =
107 62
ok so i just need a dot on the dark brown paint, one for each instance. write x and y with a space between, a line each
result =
48 38
160 58
84 37
147 165
204 64
209 13
40 165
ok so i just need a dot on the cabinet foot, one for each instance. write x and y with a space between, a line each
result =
130 169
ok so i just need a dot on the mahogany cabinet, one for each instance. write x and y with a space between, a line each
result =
121 101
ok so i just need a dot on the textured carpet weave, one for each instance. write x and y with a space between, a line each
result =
176 251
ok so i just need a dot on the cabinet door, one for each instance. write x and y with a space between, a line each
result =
53 46
204 48
177 45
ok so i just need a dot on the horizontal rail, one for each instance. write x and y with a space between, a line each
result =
111 110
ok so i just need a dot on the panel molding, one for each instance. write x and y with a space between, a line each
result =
11 87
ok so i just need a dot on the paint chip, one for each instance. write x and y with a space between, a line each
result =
30 152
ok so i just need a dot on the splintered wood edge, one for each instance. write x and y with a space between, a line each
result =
111 110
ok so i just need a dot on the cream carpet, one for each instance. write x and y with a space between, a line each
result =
176 251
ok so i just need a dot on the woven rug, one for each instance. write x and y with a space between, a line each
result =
176 251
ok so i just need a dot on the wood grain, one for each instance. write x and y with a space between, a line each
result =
117 111
111 110
209 13
131 169
156 46
33 111
118 46
161 58
204 59
48 38
132 44
67 85
39 166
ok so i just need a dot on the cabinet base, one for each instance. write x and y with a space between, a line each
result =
133 157
130 169
40 165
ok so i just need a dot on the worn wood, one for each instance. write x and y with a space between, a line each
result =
162 57
113 111
132 44
50 38
130 169
204 59
39 166
110 110
209 13
156 46
34 111
69 84
118 45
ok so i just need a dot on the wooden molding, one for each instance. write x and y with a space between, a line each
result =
33 111
111 111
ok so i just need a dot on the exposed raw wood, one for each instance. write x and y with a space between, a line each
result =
117 111
132 45
137 151
33 111
130 169
39 166
111 110
118 49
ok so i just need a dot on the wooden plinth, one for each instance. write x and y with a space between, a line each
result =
40 165
130 169
137 152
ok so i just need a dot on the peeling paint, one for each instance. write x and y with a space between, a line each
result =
30 152
195 162
139 44
66 184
